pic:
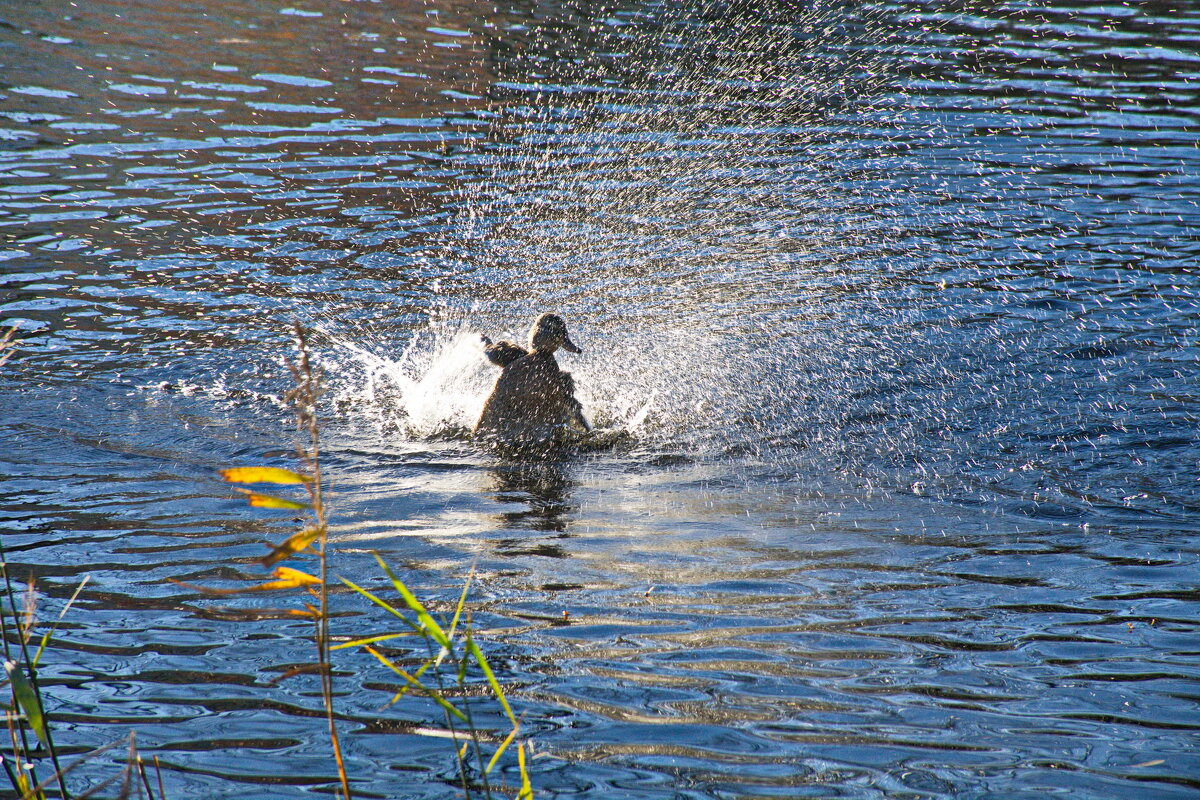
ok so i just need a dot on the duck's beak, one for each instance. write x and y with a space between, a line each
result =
570 346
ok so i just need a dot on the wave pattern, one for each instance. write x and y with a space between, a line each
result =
898 300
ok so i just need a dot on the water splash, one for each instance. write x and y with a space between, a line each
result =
666 387
432 389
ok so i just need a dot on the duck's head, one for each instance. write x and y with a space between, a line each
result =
549 333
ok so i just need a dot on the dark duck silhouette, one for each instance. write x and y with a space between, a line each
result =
532 408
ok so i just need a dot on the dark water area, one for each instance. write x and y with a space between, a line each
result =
899 301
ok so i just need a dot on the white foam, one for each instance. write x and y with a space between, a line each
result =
433 388
660 386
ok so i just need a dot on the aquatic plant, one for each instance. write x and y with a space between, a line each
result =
451 645
7 345
30 734
303 399
26 713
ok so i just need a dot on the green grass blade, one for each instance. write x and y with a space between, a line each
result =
462 602
491 677
417 674
427 621
500 751
27 699
37 658
384 604
444 703
383 637
416 684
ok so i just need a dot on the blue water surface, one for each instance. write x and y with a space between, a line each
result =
898 303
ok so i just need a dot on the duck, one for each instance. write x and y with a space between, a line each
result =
532 408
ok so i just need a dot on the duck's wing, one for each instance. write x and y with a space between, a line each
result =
577 416
573 404
502 353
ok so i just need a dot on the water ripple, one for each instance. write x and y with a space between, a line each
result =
898 300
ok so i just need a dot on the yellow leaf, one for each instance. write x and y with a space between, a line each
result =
526 792
270 501
311 614
295 576
284 579
292 545
263 475
500 750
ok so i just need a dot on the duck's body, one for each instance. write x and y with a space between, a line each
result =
532 407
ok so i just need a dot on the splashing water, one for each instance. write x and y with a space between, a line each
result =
665 387
432 389
833 264
693 222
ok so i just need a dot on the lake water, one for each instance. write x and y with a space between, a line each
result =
900 301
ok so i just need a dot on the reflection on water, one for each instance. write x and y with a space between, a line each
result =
539 499
544 487
897 301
